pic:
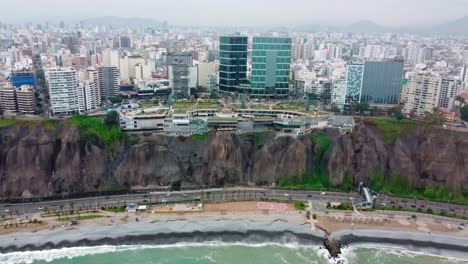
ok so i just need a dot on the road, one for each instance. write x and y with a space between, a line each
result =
316 197
206 195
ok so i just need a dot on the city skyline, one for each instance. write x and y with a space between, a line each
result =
211 12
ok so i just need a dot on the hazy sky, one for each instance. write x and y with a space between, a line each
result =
243 12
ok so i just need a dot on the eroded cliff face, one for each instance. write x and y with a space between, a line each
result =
40 161
428 155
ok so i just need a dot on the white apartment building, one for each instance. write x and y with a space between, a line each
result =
88 96
450 88
205 70
63 91
422 93
338 93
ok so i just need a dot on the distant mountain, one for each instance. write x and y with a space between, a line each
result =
459 26
121 22
365 26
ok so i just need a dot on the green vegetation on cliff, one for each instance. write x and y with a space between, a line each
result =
46 123
92 128
391 129
201 137
317 178
401 185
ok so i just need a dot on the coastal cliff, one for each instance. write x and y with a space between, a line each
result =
39 160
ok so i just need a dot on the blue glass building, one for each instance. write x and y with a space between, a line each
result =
232 63
382 82
271 60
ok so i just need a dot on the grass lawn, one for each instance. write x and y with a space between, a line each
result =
222 119
195 105
390 128
115 210
92 127
5 122
300 205
292 106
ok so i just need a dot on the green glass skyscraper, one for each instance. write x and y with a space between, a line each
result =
232 63
271 60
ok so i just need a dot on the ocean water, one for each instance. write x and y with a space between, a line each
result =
213 252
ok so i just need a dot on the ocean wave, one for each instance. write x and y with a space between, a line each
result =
28 257
350 255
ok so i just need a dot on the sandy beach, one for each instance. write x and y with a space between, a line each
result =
243 222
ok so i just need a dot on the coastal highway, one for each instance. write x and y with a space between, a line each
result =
227 195
150 197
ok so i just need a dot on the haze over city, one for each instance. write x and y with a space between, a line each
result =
392 13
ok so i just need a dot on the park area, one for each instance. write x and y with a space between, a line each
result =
188 105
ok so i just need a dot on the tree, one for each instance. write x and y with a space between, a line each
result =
112 118
460 99
213 95
363 107
334 108
71 203
61 205
116 99
464 113
435 118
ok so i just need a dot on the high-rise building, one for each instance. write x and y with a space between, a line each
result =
88 96
8 98
338 93
354 78
26 99
179 57
422 93
271 62
125 42
205 70
450 88
63 91
233 63
382 82
107 81
179 79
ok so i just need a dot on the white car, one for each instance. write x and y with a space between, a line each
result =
323 193
40 208
286 194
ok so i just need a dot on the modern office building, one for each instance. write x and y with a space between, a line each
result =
450 88
107 82
8 98
179 79
271 61
19 78
63 91
422 93
354 78
233 63
26 100
382 82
